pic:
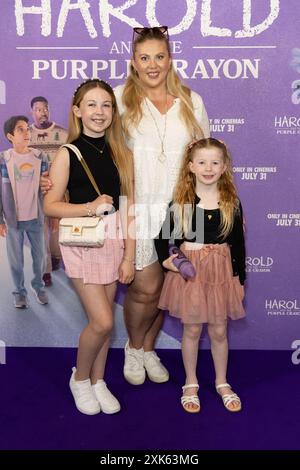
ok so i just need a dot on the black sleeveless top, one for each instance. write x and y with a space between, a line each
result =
102 168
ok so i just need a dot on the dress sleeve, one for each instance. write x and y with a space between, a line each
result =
238 248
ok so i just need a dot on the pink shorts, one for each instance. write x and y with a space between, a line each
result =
97 265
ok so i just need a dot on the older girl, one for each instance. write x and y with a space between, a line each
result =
95 129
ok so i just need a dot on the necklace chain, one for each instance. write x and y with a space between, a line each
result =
162 156
99 150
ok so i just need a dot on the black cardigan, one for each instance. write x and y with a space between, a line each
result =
235 239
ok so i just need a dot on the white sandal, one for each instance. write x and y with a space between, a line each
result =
193 399
229 398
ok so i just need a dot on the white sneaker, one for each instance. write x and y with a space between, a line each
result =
155 369
84 397
134 371
41 296
108 403
20 300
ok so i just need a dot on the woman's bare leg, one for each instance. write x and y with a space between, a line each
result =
143 321
140 307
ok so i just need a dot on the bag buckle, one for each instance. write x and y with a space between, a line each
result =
77 230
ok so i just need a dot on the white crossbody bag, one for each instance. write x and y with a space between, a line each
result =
82 231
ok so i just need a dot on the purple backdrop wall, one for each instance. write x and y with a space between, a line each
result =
243 57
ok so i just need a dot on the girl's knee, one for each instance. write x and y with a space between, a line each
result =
192 331
103 327
217 333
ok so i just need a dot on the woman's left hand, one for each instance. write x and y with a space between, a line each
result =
126 272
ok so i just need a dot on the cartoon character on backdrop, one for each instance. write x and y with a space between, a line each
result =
21 211
48 137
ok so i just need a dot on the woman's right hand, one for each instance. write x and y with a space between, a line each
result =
45 182
101 204
168 263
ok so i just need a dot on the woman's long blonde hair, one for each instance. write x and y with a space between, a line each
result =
134 93
185 189
121 155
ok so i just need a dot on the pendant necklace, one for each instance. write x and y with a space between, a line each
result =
162 156
92 145
210 216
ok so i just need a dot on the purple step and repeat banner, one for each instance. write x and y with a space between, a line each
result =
243 57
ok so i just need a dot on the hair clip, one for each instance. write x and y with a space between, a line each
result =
191 144
222 142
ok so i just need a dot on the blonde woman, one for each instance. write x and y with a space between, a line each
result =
160 117
95 129
206 220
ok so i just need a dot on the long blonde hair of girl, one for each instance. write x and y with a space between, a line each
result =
121 155
134 93
185 190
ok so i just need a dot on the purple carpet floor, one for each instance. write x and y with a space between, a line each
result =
37 409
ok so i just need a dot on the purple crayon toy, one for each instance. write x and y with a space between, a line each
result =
181 262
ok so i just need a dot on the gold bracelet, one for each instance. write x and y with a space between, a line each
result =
129 260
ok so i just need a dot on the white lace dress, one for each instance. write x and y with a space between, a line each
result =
155 179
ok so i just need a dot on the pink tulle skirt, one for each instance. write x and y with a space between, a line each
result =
212 296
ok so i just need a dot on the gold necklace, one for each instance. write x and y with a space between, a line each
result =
162 156
99 150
